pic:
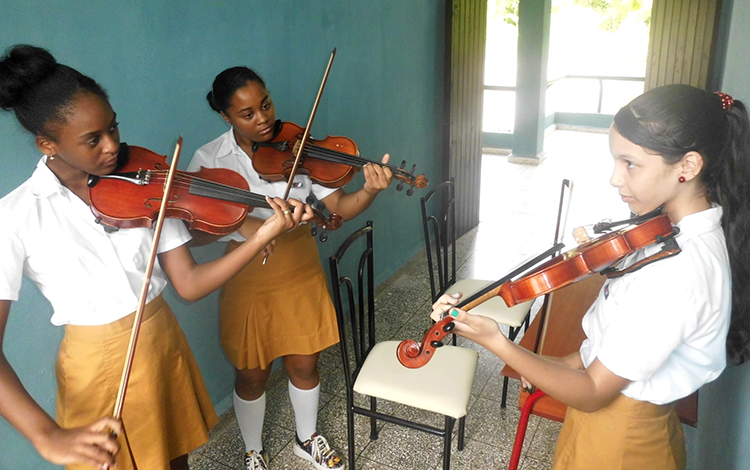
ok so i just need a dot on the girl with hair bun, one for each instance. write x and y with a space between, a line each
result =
282 309
656 334
92 278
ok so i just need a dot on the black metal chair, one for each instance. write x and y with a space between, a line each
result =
372 369
438 221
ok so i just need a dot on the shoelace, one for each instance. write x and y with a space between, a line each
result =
321 449
253 462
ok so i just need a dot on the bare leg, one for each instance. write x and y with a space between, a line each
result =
251 383
180 463
303 370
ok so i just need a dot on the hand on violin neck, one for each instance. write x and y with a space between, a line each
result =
287 215
444 305
377 178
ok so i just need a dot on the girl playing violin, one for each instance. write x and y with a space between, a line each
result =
92 278
283 308
657 334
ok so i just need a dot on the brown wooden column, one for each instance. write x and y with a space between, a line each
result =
466 38
682 41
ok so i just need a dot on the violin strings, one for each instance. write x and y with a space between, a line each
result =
222 191
335 156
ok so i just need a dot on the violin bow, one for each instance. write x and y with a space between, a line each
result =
562 221
306 134
144 290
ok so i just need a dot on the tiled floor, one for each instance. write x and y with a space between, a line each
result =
519 205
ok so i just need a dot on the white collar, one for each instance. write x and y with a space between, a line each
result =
43 182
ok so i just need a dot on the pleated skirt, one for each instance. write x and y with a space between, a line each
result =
167 411
280 308
627 434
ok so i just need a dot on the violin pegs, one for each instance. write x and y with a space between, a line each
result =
403 164
436 344
323 236
320 206
449 327
310 200
413 168
410 191
313 229
400 186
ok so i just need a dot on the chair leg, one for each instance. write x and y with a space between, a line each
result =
373 421
350 436
449 422
505 392
461 429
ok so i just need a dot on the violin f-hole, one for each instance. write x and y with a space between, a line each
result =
172 200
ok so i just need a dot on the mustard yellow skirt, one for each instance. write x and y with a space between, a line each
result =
280 308
626 434
167 411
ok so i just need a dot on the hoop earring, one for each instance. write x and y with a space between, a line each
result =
681 179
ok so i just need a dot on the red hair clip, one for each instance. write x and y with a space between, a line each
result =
726 100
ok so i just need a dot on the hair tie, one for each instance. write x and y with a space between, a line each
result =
726 100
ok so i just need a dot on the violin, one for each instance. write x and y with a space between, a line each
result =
595 256
330 162
212 200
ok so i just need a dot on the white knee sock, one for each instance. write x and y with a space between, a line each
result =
250 416
305 404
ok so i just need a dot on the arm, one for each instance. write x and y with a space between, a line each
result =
350 205
194 281
564 379
91 444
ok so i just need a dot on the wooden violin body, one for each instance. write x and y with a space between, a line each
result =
592 257
585 260
213 200
331 162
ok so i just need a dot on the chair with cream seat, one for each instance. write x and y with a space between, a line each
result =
372 369
438 221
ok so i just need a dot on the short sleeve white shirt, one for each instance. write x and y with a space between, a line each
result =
664 327
90 276
224 152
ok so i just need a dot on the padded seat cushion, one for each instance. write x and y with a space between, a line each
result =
443 385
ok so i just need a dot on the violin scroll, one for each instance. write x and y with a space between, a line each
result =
413 355
320 221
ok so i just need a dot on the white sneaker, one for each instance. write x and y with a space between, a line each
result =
317 451
255 461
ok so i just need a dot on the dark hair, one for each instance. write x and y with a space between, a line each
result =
673 120
40 90
227 83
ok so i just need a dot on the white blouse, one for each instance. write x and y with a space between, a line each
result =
664 327
224 152
90 277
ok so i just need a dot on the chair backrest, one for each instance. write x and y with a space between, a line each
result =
354 300
439 223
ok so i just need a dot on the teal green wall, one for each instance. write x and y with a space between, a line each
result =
157 59
720 442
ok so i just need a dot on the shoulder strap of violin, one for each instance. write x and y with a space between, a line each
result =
668 249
